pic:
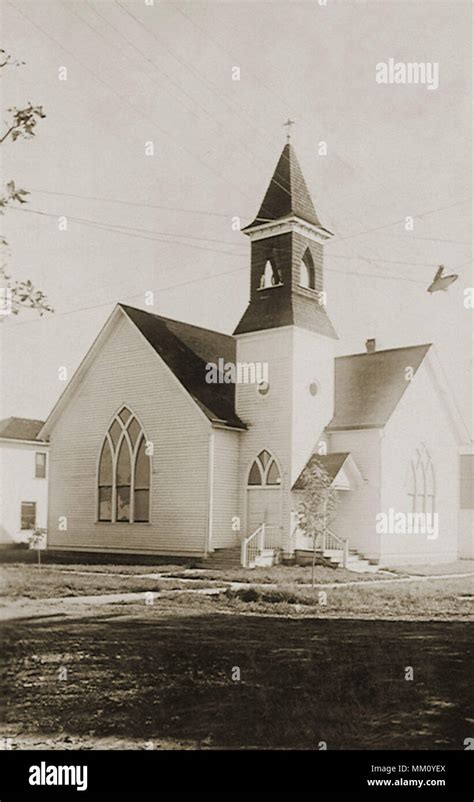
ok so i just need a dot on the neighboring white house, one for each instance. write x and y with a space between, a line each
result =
147 456
23 479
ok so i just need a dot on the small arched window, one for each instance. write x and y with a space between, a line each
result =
124 472
307 278
421 482
270 277
264 471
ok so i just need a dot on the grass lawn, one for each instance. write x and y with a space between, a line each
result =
286 574
29 582
277 591
26 580
452 598
165 673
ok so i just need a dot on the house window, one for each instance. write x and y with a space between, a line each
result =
421 482
40 465
124 472
264 471
270 277
28 514
307 279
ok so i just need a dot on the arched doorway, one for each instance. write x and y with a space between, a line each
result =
264 495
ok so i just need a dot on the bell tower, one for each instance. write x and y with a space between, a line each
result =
286 328
287 239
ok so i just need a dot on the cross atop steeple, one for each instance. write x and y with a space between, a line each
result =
288 125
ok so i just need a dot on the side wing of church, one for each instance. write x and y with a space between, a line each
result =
147 456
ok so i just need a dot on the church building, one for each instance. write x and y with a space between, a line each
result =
147 456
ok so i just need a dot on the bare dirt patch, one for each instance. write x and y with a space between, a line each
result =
166 675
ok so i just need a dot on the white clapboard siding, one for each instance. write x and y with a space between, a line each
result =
268 417
355 514
313 362
127 371
420 417
225 489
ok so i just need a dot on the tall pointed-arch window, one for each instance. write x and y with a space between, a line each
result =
307 275
270 277
264 471
421 481
124 472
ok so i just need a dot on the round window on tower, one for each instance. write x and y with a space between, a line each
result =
313 388
263 388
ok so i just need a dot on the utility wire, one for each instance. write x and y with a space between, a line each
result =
122 229
136 109
134 203
229 215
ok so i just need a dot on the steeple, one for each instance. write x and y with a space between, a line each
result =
286 283
287 193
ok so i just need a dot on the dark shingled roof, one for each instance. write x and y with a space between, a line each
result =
287 193
369 386
186 350
20 428
273 309
331 463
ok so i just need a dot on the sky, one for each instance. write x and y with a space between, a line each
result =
150 149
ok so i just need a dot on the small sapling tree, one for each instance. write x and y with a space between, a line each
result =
317 504
36 541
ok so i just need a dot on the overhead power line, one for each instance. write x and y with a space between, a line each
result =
135 232
230 215
160 236
136 109
139 204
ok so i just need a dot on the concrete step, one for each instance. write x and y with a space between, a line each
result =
362 567
355 561
264 559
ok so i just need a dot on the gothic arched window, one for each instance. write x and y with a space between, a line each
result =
270 276
421 482
124 472
264 471
307 278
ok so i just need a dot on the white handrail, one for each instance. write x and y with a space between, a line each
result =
330 541
266 536
251 545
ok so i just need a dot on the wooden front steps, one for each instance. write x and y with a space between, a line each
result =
224 558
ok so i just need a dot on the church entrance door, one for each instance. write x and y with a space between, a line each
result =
264 502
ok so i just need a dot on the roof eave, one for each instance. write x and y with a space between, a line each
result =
289 218
355 427
81 370
24 440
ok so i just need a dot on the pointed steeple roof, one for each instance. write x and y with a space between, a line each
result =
287 193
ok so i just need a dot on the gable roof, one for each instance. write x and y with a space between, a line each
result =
331 463
20 428
287 193
186 350
336 465
369 386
